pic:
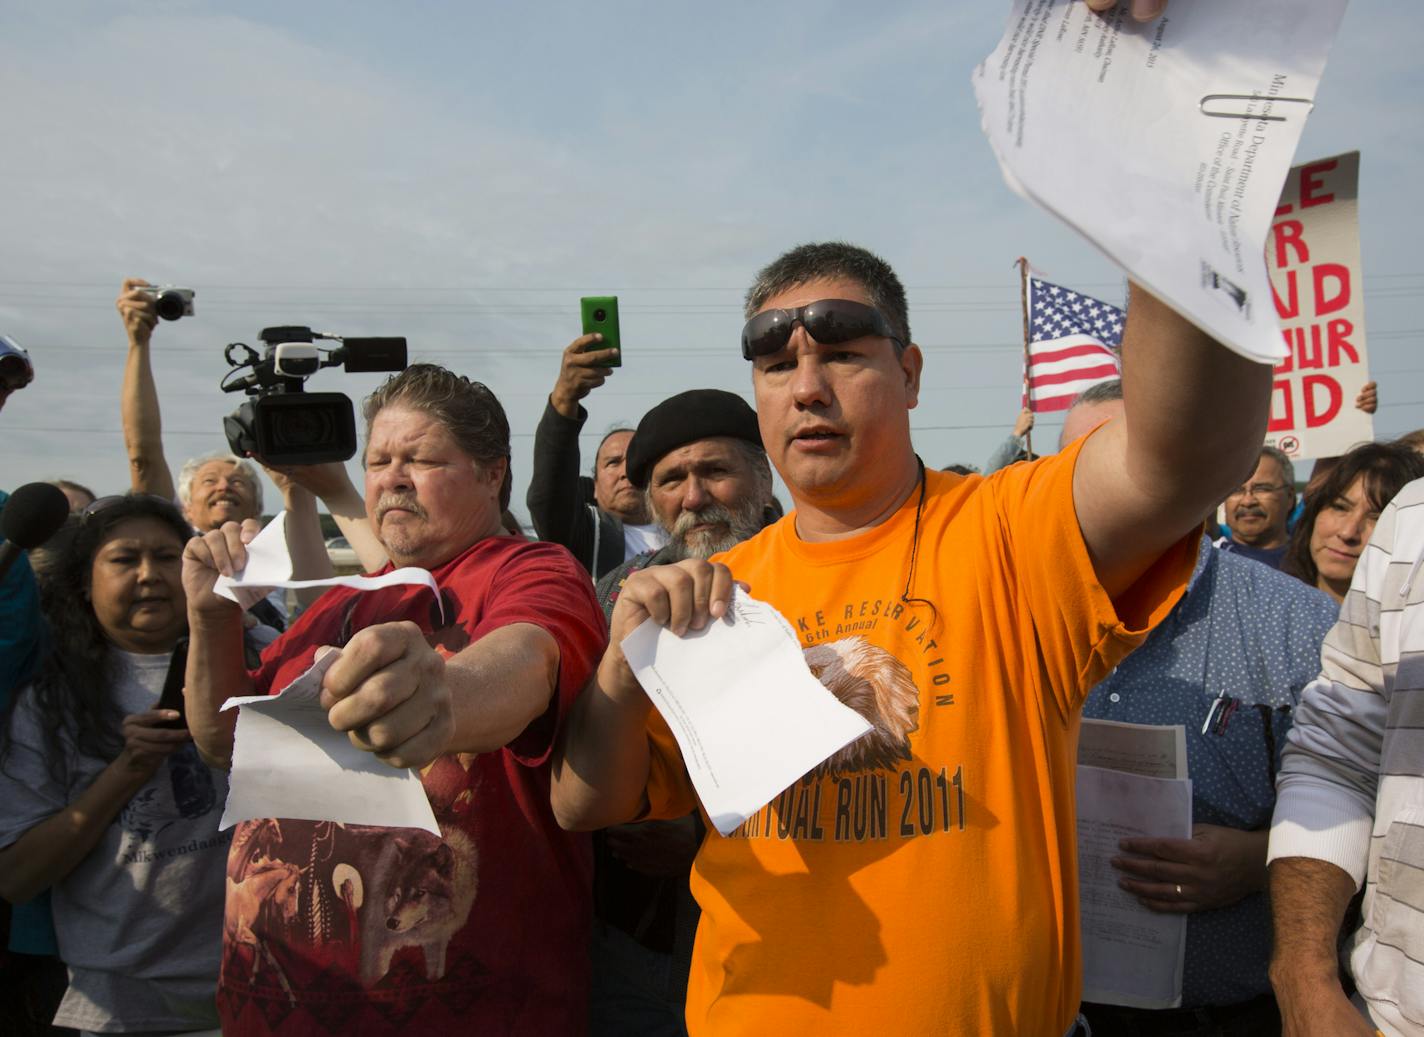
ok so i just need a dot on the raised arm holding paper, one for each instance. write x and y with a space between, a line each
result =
964 618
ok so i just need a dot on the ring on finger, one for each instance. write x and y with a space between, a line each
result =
1179 889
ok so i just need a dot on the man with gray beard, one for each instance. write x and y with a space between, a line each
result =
699 460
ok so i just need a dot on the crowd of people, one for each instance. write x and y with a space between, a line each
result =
1160 567
575 885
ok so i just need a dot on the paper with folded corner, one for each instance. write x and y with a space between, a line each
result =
1099 121
747 713
288 761
269 567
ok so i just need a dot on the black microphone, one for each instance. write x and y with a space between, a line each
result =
32 515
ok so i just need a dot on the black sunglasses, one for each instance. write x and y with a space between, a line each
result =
828 321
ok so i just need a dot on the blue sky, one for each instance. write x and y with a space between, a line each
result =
461 174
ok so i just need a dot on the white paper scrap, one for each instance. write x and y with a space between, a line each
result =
288 761
747 713
269 567
1133 134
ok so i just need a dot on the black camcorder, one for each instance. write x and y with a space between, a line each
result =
282 423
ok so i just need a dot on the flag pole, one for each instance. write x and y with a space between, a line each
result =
1022 263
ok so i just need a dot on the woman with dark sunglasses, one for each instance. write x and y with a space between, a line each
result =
103 799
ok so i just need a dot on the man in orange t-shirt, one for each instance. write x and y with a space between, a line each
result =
924 878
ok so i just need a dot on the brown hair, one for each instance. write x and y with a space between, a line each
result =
1386 468
467 408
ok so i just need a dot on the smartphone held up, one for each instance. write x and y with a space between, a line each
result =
600 315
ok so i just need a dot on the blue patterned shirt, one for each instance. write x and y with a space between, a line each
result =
1254 634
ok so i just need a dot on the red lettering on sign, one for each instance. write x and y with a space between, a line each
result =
1310 182
1288 235
1339 328
1291 308
1312 359
1282 418
1325 303
1288 364
1284 208
1315 416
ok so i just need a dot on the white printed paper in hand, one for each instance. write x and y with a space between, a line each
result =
1132 956
747 713
269 567
288 761
1103 122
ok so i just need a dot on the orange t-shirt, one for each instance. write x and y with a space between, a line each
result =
925 880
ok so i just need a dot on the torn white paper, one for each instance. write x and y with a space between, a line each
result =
288 761
1108 124
747 713
1131 956
269 567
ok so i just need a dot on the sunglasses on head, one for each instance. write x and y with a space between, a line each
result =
828 321
100 505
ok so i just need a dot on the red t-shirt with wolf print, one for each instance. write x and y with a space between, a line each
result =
354 930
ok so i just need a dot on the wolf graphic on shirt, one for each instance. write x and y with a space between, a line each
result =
881 689
428 887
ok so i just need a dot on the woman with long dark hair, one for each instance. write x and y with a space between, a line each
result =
103 799
1340 514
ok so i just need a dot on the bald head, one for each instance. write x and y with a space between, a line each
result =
1082 418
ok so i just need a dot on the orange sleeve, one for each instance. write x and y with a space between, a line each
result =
1081 633
670 793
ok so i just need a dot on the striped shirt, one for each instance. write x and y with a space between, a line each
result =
1351 788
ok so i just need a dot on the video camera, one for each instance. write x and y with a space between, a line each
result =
282 423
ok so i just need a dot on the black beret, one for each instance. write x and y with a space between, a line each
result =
686 418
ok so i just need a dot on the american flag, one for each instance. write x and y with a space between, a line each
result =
1073 342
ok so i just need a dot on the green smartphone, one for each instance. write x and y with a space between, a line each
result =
600 314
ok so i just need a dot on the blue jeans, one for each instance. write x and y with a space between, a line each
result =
635 991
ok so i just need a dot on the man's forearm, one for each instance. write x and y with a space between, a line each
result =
1195 417
305 543
349 511
600 773
1308 902
216 672
143 427
553 494
53 848
499 685
1197 411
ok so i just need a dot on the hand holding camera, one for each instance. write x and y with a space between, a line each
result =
141 304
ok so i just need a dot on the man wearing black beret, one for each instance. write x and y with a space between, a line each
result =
698 460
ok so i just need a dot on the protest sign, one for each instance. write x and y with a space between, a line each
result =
1313 255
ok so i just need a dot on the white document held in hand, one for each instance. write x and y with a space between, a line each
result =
747 713
1166 143
269 567
288 762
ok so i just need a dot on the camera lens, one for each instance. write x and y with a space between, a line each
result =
303 429
170 305
14 372
600 315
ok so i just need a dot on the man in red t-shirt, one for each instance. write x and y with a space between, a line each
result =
345 929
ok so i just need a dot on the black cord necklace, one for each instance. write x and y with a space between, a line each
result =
905 596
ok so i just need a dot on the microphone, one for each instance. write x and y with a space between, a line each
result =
31 516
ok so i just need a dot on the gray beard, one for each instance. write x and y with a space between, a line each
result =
732 527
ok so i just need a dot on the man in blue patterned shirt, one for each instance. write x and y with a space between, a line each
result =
1236 651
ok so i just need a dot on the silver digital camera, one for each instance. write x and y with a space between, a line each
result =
172 302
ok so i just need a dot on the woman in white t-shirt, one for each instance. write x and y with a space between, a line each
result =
103 799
